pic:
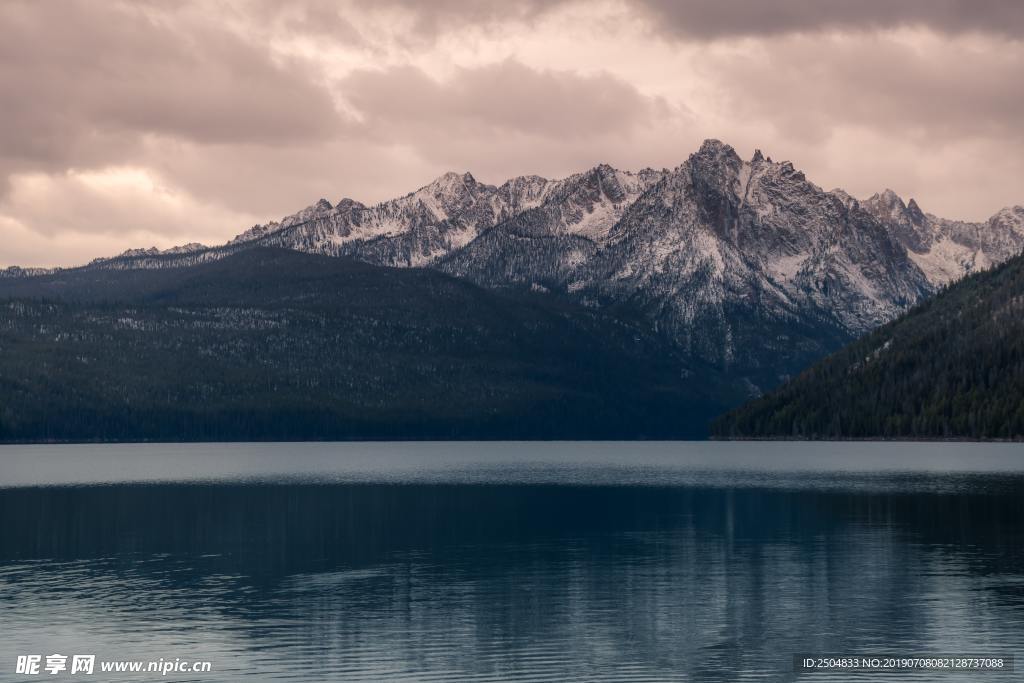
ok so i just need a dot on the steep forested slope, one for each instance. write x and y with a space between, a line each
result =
274 344
952 367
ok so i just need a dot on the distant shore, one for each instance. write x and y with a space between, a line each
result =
391 439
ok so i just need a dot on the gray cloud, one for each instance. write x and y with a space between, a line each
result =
937 93
440 16
710 19
713 19
505 119
321 18
499 98
80 83
133 123
496 120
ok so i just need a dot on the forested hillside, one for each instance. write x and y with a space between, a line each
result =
952 367
275 344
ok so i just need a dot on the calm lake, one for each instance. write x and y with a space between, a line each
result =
512 561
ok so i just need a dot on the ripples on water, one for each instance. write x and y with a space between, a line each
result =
483 562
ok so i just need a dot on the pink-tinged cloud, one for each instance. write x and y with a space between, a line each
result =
127 124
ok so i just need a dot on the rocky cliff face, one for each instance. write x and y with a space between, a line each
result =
943 249
746 265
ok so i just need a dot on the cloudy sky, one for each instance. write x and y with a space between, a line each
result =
133 124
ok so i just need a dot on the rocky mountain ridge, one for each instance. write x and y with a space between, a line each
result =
744 264
950 368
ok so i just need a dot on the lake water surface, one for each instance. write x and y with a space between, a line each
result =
511 561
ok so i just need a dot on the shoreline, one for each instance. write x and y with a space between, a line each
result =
363 439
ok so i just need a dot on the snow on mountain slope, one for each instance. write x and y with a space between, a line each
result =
409 231
544 245
944 249
721 220
590 204
745 264
455 210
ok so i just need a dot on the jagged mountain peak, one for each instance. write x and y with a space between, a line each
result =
451 180
1008 221
715 167
603 180
887 198
452 189
521 193
906 221
898 209
848 200
606 180
914 211
889 207
348 203
185 248
715 147
595 173
127 253
1015 213
317 208
521 179
533 185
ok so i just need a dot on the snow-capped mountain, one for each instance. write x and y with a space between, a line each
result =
742 263
944 249
451 212
745 264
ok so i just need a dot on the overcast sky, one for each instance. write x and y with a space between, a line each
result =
159 123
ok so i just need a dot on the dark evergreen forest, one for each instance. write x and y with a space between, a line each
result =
277 345
952 367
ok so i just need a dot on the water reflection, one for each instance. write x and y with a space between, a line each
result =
496 582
